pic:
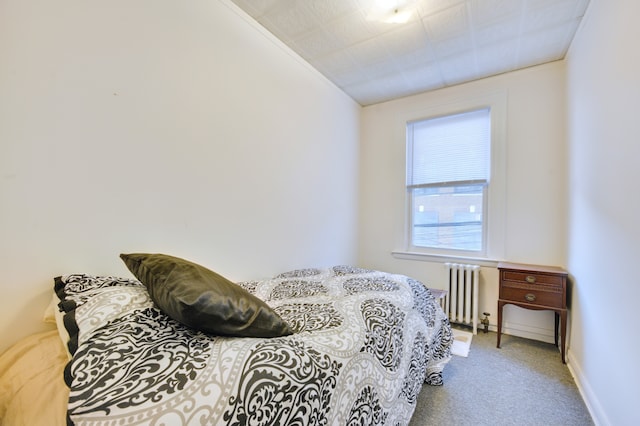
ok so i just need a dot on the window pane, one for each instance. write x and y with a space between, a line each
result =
448 217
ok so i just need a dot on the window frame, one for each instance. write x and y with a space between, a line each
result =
412 187
494 207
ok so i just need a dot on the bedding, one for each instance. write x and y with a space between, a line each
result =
363 342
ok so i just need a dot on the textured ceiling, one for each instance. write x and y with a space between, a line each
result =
442 42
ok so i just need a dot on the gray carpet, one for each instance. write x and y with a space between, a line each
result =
522 383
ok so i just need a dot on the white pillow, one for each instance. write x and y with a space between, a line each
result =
49 315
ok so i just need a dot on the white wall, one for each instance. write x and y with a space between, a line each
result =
603 95
535 216
163 126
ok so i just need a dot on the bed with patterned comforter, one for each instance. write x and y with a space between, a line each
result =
363 344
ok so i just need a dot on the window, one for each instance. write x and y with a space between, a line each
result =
448 171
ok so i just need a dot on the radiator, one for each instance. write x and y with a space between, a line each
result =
461 301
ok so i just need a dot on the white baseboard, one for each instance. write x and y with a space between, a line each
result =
593 405
528 332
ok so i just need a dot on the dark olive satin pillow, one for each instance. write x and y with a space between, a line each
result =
203 299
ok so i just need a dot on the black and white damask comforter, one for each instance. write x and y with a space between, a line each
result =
364 343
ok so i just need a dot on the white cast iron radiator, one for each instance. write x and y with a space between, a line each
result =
461 301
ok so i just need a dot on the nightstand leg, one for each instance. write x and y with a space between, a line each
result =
500 306
555 330
563 331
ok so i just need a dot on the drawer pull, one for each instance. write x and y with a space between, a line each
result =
530 279
530 297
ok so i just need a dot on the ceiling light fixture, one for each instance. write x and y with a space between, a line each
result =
392 11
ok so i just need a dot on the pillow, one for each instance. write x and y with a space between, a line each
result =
202 299
63 333
49 315
88 303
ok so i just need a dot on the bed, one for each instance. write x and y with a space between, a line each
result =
342 346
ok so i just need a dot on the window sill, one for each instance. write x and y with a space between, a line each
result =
430 257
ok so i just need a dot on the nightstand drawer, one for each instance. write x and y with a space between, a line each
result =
533 278
534 297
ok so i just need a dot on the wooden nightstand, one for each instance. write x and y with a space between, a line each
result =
535 287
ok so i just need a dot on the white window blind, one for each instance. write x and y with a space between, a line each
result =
449 150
